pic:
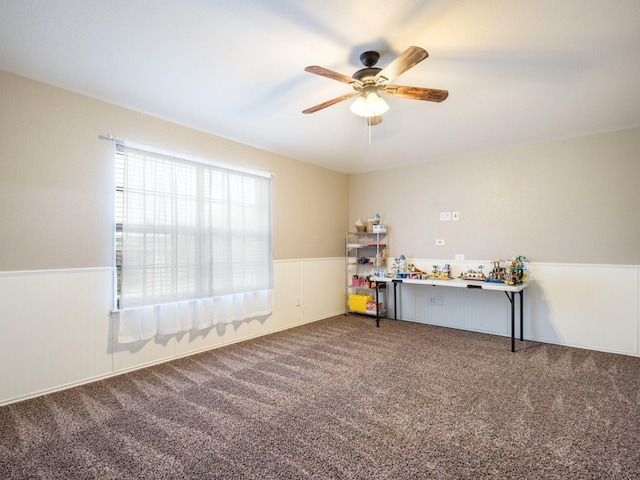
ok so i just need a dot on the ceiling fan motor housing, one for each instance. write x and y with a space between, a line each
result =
366 72
368 59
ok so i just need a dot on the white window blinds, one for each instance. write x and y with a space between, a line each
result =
196 245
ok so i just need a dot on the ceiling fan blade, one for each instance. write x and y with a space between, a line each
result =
416 93
407 59
325 72
328 103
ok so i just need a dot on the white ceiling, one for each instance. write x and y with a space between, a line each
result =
518 71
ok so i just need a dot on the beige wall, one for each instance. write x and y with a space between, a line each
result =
56 180
571 201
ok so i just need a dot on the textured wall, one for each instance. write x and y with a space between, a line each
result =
571 201
56 180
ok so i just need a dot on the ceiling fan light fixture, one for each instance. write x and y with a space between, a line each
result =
370 81
369 104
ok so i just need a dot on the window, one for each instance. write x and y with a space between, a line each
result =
193 244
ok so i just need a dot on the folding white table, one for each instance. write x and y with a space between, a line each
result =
509 290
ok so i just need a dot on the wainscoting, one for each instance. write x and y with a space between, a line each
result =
586 306
57 331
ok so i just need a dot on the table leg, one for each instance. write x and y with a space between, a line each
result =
395 300
377 309
521 310
513 322
512 299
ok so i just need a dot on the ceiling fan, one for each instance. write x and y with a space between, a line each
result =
370 81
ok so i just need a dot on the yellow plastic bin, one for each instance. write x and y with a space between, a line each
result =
358 303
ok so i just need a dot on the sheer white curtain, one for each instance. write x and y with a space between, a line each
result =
196 245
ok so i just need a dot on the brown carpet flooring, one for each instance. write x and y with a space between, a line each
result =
342 399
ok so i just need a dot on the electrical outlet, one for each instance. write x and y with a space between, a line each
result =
432 300
459 256
455 216
440 241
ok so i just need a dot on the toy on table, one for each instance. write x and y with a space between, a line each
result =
443 273
515 271
415 273
399 267
509 272
498 272
472 274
